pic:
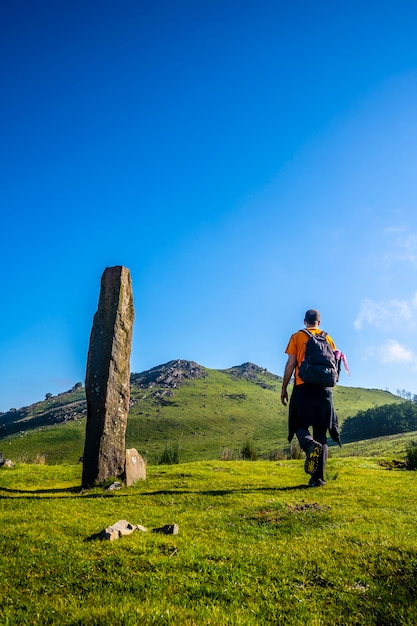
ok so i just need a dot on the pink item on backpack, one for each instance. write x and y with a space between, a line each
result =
339 356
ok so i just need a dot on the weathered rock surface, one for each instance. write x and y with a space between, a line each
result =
135 467
252 373
114 486
107 382
120 529
170 375
7 463
31 417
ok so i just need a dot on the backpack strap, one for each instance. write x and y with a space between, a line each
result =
311 336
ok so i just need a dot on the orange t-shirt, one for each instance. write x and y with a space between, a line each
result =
297 347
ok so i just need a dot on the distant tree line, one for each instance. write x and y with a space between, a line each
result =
388 419
407 395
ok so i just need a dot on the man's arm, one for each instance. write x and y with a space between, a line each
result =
288 372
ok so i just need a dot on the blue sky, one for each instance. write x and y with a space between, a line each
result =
246 161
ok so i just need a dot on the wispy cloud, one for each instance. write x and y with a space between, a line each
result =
393 352
390 352
386 314
399 316
395 230
403 248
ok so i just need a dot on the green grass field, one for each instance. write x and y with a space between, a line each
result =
255 546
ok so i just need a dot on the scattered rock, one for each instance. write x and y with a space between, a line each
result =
120 529
7 463
168 529
113 486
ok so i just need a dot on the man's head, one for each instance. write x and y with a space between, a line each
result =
312 317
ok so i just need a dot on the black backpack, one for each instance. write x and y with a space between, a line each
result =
319 366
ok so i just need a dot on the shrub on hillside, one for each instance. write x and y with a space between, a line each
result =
171 455
285 454
36 459
249 452
226 455
411 456
280 454
296 452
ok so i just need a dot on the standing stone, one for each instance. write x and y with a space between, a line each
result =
107 382
135 467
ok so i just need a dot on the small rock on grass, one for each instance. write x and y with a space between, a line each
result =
113 486
119 529
7 463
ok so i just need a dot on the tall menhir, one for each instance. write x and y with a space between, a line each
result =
107 383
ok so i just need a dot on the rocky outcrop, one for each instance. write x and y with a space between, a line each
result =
65 407
170 375
161 381
107 382
254 374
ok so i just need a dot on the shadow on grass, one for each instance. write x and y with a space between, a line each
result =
45 493
95 537
222 492
49 494
36 491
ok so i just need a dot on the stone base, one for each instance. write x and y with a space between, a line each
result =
135 467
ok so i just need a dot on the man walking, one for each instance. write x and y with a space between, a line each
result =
311 404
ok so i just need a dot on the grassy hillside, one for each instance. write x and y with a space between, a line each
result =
255 547
388 447
202 411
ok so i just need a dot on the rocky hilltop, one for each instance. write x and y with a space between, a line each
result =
170 375
254 374
162 380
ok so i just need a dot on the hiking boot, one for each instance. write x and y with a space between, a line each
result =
316 482
312 457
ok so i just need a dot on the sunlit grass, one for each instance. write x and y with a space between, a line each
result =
255 546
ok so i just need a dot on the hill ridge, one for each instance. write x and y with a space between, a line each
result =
71 404
203 410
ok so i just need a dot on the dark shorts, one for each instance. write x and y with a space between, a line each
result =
310 405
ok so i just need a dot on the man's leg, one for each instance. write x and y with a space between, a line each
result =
304 438
311 447
320 435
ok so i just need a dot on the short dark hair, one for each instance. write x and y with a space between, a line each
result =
312 316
